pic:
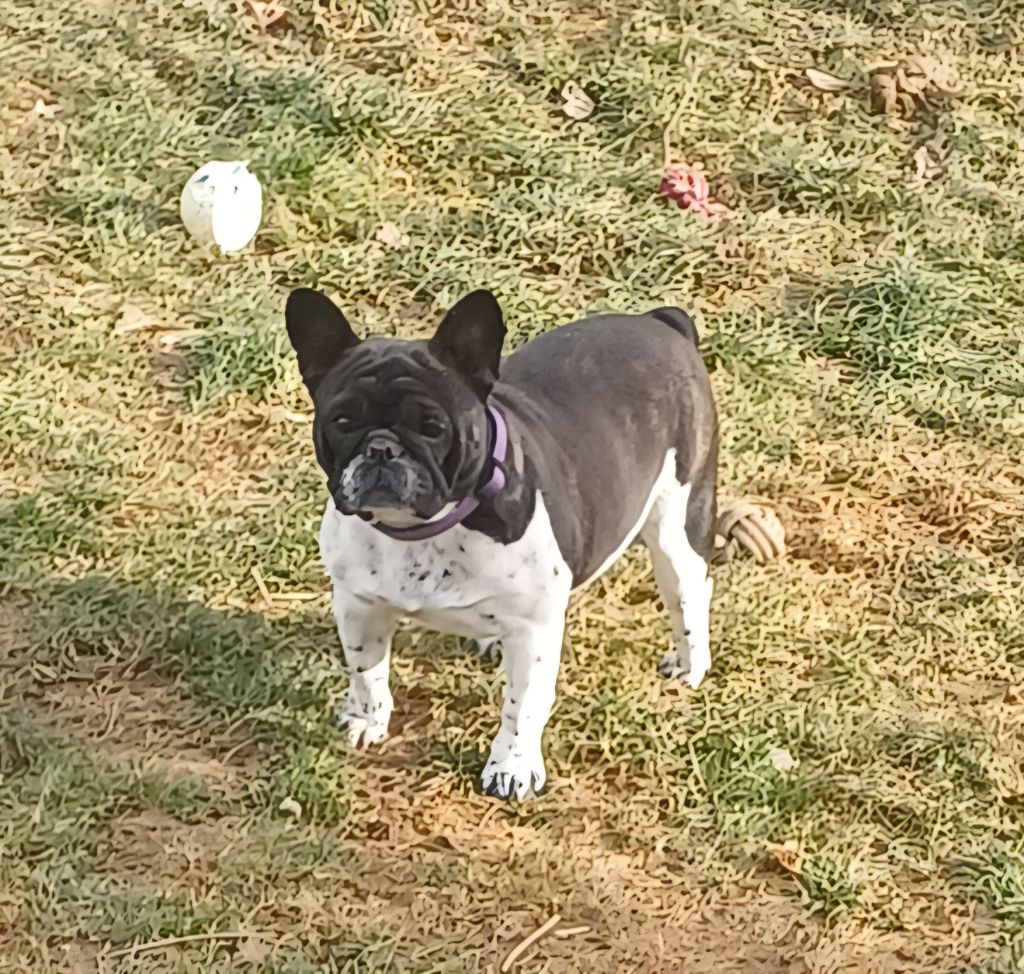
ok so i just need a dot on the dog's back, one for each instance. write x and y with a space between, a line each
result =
608 400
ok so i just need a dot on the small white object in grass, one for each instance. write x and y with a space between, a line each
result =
291 806
578 104
389 235
222 203
781 760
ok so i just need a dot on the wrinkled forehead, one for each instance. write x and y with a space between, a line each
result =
384 370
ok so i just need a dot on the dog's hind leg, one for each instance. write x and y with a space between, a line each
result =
680 535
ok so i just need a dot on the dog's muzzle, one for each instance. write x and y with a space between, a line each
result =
382 476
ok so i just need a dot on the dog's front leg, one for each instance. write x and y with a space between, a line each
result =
365 628
515 768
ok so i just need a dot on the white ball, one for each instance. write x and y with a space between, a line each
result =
222 203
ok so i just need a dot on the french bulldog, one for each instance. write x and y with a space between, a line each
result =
474 493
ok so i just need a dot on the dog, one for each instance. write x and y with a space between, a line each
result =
474 493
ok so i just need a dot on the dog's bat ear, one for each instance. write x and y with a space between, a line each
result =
469 340
319 334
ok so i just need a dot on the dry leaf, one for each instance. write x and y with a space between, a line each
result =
825 81
253 950
43 110
908 85
389 235
267 16
291 806
781 760
79 958
883 93
787 854
913 85
578 104
934 72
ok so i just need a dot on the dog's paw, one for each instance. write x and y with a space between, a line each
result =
362 731
683 666
516 777
483 648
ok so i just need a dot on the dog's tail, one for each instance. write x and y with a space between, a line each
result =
679 321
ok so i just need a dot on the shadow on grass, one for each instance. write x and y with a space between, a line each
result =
79 784
273 681
268 679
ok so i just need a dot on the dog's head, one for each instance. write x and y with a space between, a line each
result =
399 427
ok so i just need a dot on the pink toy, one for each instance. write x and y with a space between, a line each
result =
688 187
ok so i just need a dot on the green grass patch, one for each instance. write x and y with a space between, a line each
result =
999 882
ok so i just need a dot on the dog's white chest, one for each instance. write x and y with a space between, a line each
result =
461 582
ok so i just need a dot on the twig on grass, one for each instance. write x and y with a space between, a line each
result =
523 945
566 932
262 586
192 938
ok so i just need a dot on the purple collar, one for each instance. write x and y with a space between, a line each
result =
431 529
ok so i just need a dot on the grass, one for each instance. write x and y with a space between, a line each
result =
863 328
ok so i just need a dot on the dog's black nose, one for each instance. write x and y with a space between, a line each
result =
382 448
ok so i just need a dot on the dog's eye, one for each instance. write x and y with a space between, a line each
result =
432 427
345 423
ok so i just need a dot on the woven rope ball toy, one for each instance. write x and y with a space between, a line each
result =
755 527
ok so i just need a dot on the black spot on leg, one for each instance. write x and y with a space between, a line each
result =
463 550
511 701
423 576
357 649
359 669
686 632
446 574
538 660
556 569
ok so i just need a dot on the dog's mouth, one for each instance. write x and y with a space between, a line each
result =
386 488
